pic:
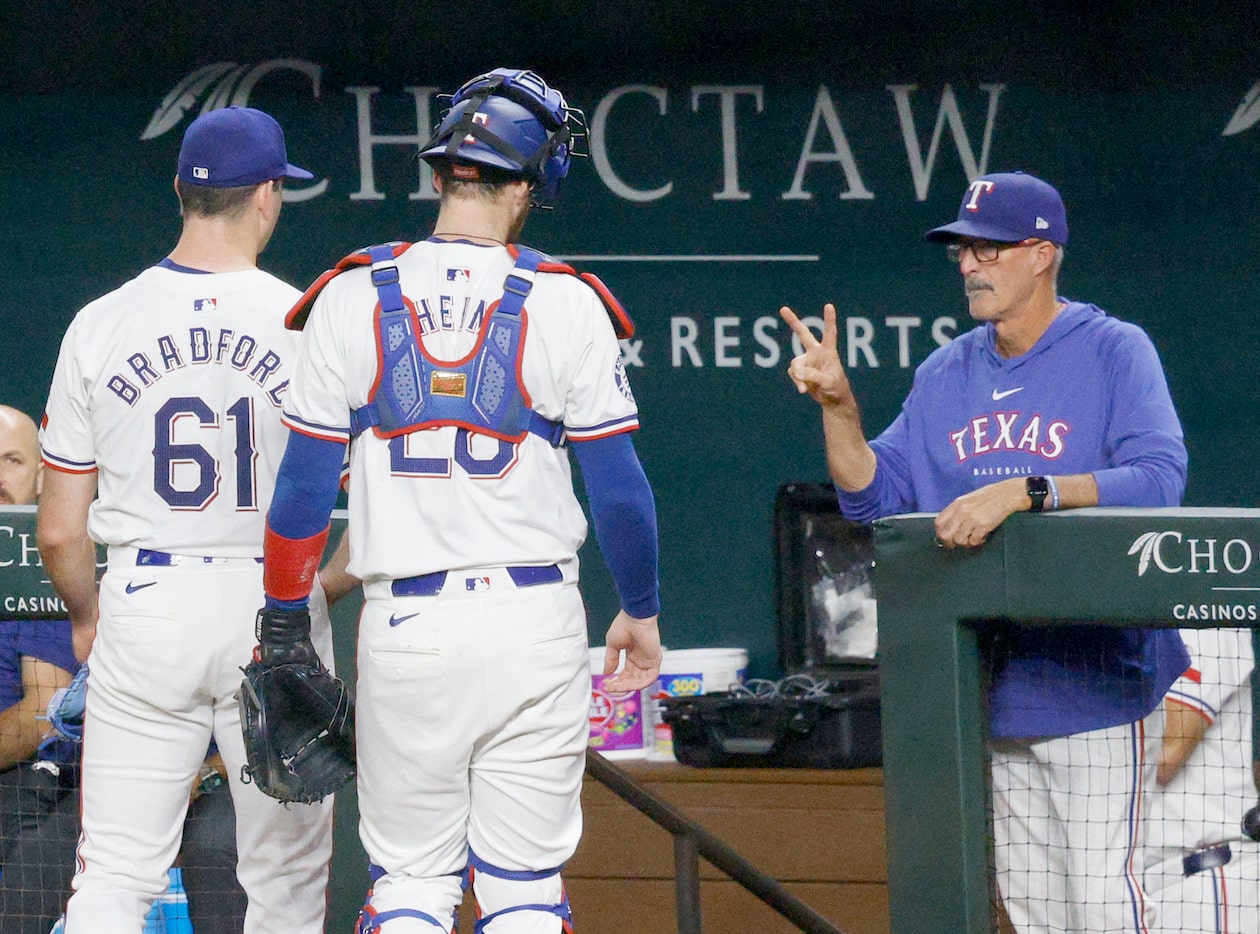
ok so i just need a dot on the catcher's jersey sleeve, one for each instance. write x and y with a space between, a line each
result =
446 498
170 388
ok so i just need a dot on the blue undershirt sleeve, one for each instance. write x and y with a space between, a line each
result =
306 487
624 515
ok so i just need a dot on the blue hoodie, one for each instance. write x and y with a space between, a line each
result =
1089 397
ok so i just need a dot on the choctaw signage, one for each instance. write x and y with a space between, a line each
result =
725 120
1185 567
24 589
822 141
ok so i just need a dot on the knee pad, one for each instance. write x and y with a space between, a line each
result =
371 920
503 893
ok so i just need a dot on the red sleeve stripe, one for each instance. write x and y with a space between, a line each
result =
615 427
67 466
322 432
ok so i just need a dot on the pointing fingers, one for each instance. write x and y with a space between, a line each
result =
803 333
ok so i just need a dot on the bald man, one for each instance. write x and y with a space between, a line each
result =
21 473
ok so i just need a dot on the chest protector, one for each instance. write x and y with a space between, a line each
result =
482 392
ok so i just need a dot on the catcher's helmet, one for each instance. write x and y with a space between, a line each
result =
511 120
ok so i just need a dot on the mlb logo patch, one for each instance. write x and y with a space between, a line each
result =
205 304
459 275
476 583
200 171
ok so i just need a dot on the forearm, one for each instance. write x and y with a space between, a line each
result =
297 523
68 554
850 460
337 582
1148 484
71 568
20 734
623 512
22 726
1076 491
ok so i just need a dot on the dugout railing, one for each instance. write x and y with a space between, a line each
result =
1183 568
691 842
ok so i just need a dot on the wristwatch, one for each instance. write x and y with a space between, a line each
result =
1038 490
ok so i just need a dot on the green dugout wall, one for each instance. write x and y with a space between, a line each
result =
740 160
1166 567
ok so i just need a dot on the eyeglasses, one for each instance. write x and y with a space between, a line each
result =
985 251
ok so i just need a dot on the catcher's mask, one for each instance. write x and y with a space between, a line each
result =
511 120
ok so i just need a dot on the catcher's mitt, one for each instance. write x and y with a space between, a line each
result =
296 716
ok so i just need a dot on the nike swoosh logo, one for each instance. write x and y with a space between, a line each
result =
395 620
999 396
132 587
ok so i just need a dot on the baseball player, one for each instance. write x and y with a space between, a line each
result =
165 406
1201 870
1048 404
463 370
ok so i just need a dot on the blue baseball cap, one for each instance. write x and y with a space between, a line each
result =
235 146
1007 207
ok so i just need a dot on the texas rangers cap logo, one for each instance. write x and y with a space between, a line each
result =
976 189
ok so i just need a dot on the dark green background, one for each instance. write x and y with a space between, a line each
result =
1123 110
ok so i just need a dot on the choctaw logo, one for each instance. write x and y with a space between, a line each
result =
1170 553
1247 114
223 84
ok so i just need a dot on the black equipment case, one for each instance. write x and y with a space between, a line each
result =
825 713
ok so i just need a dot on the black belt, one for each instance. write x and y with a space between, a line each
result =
1207 858
430 585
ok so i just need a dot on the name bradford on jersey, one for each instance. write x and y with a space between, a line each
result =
201 347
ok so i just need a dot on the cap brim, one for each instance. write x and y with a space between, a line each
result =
292 171
968 228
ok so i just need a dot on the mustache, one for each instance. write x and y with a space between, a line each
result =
977 285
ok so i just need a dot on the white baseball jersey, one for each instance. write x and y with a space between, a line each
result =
1205 802
503 503
164 387
1199 813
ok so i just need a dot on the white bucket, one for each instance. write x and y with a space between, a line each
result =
619 727
685 673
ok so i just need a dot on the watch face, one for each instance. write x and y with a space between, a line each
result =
1038 490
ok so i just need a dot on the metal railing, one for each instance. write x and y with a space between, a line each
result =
691 841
